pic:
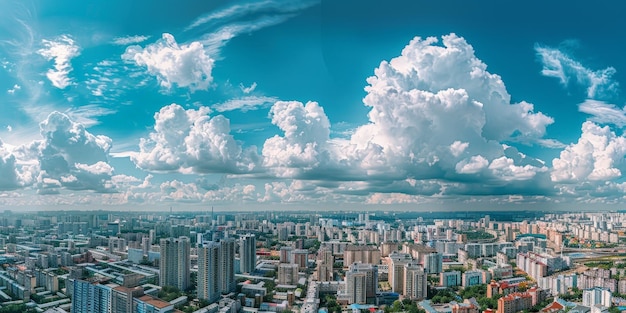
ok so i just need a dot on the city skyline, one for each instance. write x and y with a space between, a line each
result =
94 261
311 105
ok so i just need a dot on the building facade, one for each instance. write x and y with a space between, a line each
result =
174 264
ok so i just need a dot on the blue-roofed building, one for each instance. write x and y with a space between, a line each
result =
426 306
387 298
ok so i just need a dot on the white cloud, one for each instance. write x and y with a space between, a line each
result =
99 168
436 114
604 113
70 155
395 198
244 104
458 147
186 65
598 155
306 135
179 191
505 169
249 89
436 108
215 40
9 176
238 194
87 115
15 88
473 165
239 10
558 64
61 50
129 40
191 141
551 143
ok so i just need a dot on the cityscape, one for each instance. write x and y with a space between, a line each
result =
308 262
312 156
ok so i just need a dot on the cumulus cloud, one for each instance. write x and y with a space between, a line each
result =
458 147
9 176
61 50
191 140
473 165
244 104
597 156
436 113
186 65
69 156
306 135
558 64
129 40
179 191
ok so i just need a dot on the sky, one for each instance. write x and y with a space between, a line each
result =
312 105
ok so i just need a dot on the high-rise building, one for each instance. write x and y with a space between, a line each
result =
285 254
247 253
180 231
396 271
287 274
208 271
371 277
514 302
415 281
472 278
356 286
216 268
433 263
597 295
325 261
361 254
174 264
227 265
450 279
89 297
300 257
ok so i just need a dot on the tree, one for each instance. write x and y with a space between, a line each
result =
523 286
17 308
487 303
478 291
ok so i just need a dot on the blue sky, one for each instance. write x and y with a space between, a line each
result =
311 105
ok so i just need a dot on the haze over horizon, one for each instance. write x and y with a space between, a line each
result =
311 105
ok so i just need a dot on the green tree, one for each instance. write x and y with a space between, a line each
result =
17 308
